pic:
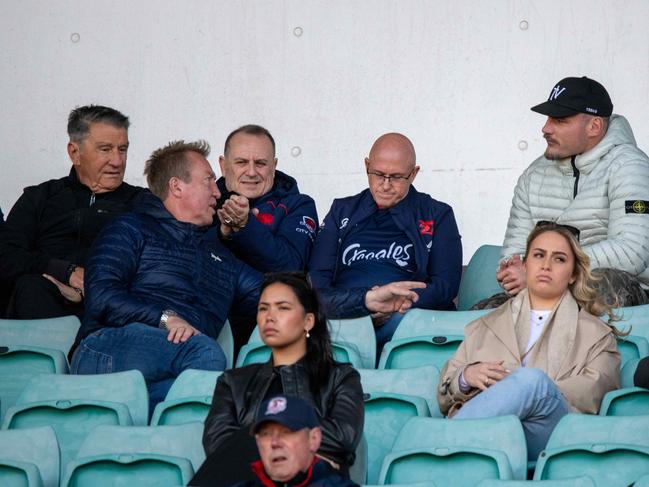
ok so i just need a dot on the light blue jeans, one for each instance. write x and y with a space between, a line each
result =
527 393
145 348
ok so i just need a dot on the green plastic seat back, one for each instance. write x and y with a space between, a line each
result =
418 351
357 337
128 470
642 481
358 471
189 398
75 404
612 450
428 322
460 447
55 333
410 484
385 415
19 363
582 481
627 372
353 341
226 342
635 319
631 401
479 278
36 447
417 381
135 455
632 347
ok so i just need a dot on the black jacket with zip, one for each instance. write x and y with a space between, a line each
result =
338 405
54 224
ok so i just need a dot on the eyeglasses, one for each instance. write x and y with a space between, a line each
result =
550 225
391 178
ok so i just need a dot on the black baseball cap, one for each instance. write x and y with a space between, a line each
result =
576 95
290 411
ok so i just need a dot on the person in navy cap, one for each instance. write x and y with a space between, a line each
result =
593 177
288 436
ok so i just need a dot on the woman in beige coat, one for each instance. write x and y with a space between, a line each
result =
543 353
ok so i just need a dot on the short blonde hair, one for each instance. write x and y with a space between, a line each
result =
171 161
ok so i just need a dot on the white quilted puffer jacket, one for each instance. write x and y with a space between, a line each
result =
605 196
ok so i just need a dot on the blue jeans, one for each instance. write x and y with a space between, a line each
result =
145 348
385 331
527 393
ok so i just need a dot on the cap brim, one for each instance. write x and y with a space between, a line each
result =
554 110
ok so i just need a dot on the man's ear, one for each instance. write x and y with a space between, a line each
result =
315 438
73 152
596 127
175 187
367 163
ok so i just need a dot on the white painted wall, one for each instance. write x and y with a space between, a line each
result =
458 77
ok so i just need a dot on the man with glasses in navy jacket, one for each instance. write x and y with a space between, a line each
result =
388 248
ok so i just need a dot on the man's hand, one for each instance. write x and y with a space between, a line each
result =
179 330
511 275
70 293
395 296
485 374
76 278
234 214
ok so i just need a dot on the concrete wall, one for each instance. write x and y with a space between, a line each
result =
326 77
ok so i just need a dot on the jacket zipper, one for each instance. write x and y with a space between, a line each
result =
575 174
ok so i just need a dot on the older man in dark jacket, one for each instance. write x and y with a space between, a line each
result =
49 231
159 285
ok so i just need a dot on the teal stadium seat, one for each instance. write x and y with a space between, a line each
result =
75 404
358 471
642 481
632 347
414 484
189 398
137 456
353 341
29 458
479 278
612 450
31 347
630 401
459 452
627 373
574 482
391 398
426 337
634 319
226 342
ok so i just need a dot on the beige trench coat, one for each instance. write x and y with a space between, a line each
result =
576 350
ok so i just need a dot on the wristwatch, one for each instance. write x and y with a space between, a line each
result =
166 314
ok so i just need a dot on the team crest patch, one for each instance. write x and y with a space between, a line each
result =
265 218
276 405
309 223
636 206
426 227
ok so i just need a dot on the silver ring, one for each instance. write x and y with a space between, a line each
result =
228 221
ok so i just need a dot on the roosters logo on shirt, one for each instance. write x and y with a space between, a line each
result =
426 227
309 223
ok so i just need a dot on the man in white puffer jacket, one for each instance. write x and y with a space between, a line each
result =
592 177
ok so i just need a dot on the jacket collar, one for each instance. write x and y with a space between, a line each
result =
514 315
619 133
302 479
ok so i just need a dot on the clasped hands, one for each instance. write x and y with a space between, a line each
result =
234 214
74 291
383 301
482 375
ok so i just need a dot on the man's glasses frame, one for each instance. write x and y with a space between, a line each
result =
391 178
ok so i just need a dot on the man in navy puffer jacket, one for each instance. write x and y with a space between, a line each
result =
158 284
389 247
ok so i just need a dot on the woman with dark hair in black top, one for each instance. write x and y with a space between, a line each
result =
293 325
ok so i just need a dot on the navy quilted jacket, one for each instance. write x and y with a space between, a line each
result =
147 261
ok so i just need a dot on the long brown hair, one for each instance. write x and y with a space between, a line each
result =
582 289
